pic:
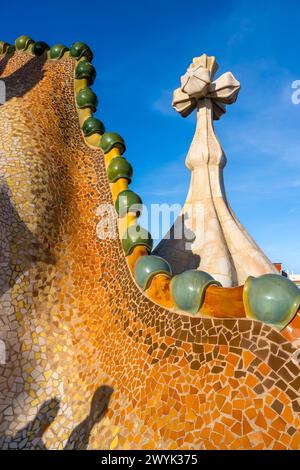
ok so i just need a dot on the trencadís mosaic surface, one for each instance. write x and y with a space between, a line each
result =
103 349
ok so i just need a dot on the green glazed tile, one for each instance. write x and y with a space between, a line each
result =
188 289
272 299
147 267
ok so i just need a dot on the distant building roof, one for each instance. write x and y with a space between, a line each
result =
295 278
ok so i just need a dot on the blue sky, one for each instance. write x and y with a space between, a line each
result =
143 47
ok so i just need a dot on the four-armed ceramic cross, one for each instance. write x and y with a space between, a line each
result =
214 240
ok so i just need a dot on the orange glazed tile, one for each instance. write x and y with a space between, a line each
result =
233 359
245 443
274 433
248 357
259 447
219 428
210 446
287 415
255 439
286 440
229 438
251 381
264 369
220 399
267 439
278 446
246 426
260 421
227 421
237 429
225 391
295 444
227 408
229 370
205 433
216 438
279 424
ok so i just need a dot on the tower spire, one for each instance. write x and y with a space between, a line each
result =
216 241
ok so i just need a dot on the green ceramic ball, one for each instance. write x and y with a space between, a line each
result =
39 48
86 98
85 70
136 236
188 289
80 49
147 267
22 42
118 168
110 140
128 201
91 126
57 51
272 299
4 47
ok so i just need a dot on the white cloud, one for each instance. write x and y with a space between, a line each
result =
245 27
164 104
